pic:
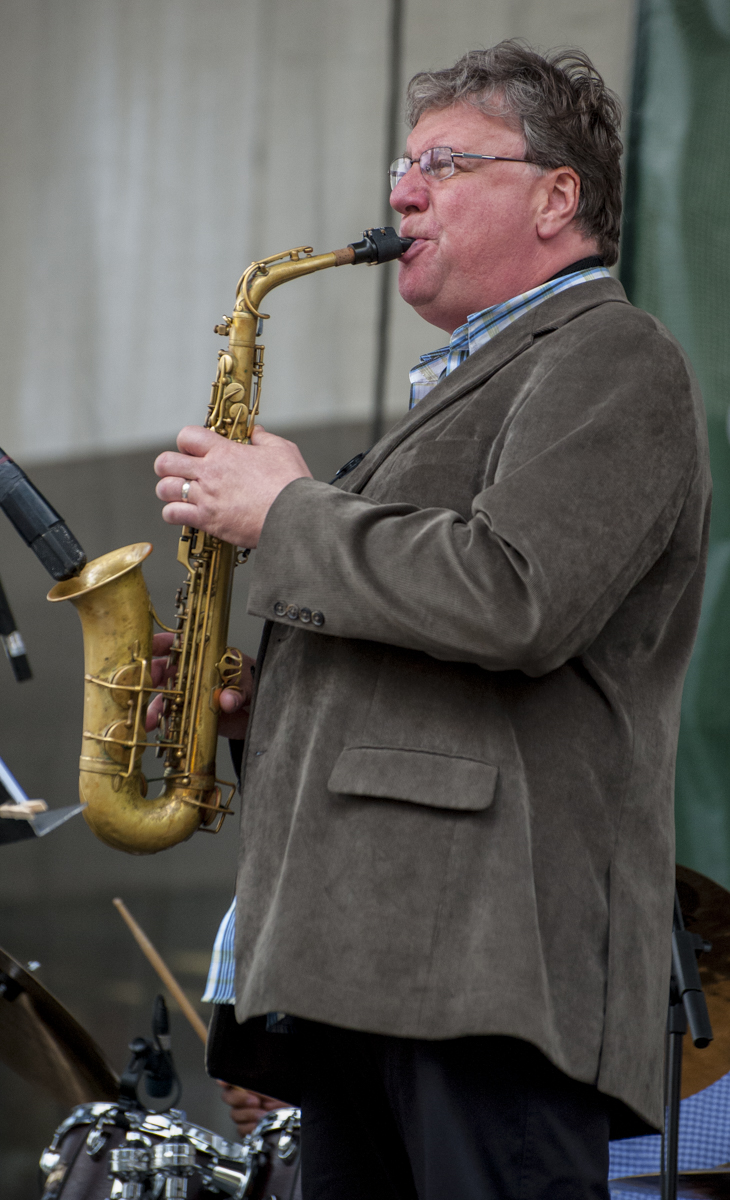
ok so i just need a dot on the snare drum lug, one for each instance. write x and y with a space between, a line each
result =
175 1158
230 1183
129 1166
97 1139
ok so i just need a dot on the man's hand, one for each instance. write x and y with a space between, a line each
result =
232 487
235 702
247 1108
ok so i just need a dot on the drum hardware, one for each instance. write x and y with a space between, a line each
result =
130 1165
161 1156
127 1151
175 1160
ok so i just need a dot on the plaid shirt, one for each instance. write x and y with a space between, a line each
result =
479 329
221 985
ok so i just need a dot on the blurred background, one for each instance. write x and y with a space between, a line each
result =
149 150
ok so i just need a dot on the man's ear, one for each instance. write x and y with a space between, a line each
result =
558 201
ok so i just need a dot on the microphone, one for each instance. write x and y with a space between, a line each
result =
12 641
39 525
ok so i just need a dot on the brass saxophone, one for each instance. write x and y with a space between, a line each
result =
117 616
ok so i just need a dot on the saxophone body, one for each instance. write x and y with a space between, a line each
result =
117 617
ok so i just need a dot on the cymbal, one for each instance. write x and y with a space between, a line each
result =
706 910
691 1185
44 1044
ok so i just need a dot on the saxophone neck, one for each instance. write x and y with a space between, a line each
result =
266 274
378 245
236 390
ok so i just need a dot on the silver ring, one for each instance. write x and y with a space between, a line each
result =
186 491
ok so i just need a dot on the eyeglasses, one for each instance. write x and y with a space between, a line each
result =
438 163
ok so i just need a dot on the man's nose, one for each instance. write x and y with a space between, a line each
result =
411 192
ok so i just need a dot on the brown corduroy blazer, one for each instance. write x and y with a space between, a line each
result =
457 805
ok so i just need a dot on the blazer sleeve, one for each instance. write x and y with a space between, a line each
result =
592 476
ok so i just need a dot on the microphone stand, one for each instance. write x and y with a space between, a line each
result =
687 1005
12 641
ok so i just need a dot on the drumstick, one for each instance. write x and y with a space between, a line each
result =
162 970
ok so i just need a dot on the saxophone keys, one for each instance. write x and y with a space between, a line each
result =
232 390
230 666
126 684
116 741
238 418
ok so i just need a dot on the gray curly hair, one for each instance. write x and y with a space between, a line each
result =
562 107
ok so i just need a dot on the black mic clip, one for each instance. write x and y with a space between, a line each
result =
152 1061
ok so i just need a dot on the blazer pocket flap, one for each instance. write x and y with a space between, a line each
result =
416 776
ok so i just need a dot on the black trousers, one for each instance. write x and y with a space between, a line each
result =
476 1118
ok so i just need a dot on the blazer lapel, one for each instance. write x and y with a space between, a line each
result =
485 362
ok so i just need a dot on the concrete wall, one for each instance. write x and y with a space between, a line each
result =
149 151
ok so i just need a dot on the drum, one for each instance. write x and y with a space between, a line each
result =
108 1152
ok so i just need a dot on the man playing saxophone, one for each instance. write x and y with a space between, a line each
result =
457 854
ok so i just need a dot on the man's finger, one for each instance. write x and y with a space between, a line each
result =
157 671
180 514
152 714
172 463
161 643
170 489
196 440
232 1094
260 437
231 699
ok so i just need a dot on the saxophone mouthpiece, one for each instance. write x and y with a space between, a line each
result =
379 246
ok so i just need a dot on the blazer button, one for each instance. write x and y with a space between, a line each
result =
292 612
305 615
279 608
317 618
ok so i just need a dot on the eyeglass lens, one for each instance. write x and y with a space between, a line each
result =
437 162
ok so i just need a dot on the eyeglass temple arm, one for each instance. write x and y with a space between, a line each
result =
492 157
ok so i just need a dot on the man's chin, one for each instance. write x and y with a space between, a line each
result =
414 287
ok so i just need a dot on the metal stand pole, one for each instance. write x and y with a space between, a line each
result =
686 1004
12 641
676 1029
385 280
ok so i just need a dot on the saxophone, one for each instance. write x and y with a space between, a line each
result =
117 616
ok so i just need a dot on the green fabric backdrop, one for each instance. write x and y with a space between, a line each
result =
676 264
